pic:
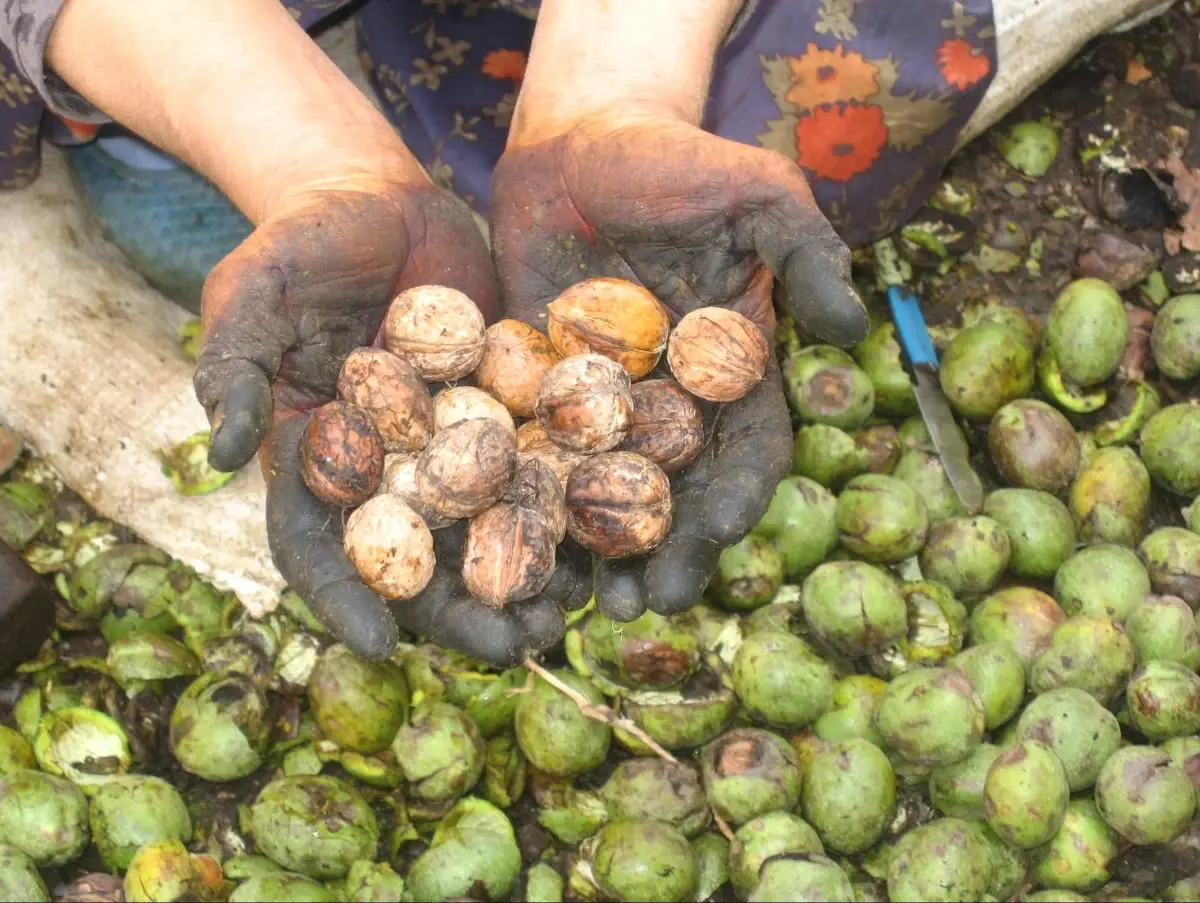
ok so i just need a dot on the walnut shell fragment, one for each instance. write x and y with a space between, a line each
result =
667 428
341 454
467 403
466 468
393 393
585 404
533 441
390 546
509 554
437 329
618 505
514 363
613 317
717 354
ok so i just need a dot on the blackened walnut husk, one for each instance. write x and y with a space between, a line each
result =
618 505
341 454
666 426
393 393
466 468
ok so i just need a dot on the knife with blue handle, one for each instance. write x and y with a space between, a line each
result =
947 438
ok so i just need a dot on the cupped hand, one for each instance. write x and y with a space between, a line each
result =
281 313
699 221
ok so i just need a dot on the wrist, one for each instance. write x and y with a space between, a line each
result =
618 60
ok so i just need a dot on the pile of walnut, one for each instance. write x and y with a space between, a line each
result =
590 460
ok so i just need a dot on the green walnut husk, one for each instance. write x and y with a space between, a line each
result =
1018 616
1185 752
1110 499
314 825
282 886
504 772
1033 446
854 607
712 853
359 705
554 735
15 752
85 746
851 713
1054 896
997 674
748 773
128 575
1163 700
1008 864
1067 395
567 812
657 789
121 622
1029 147
849 795
43 816
802 523
1038 526
134 810
1135 404
474 843
1185 891
545 885
652 652
881 519
144 656
1025 794
165 870
936 625
943 860
1012 317
295 662
186 466
1164 628
956 790
1172 559
802 877
25 511
882 445
1087 330
879 356
1107 580
1079 857
685 718
1088 652
781 681
1145 796
1175 338
368 882
199 610
931 716
1080 732
827 455
967 555
235 655
219 728
641 860
20 881
764 837
923 472
749 574
824 385
1170 448
986 366
440 751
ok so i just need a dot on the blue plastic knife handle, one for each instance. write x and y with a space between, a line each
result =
910 326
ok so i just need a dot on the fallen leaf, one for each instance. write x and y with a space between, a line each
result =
1136 73
1187 186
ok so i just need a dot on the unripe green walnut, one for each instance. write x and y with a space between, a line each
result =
761 838
1080 855
998 675
854 607
944 860
986 366
1038 526
1164 628
968 555
1110 499
849 795
881 518
1076 728
780 680
1025 794
1087 330
957 789
1107 580
554 735
748 773
1091 653
1018 616
1163 700
1145 796
931 716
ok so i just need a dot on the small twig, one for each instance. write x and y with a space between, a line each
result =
723 827
599 712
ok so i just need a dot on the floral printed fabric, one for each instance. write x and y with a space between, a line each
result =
867 96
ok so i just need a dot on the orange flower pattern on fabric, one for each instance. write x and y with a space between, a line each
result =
839 141
830 76
505 64
962 63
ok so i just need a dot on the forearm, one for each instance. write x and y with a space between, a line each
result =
599 57
235 88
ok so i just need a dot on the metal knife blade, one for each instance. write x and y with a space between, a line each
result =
947 438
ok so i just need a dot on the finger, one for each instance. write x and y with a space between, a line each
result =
446 614
542 620
797 242
570 585
618 588
677 572
305 537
